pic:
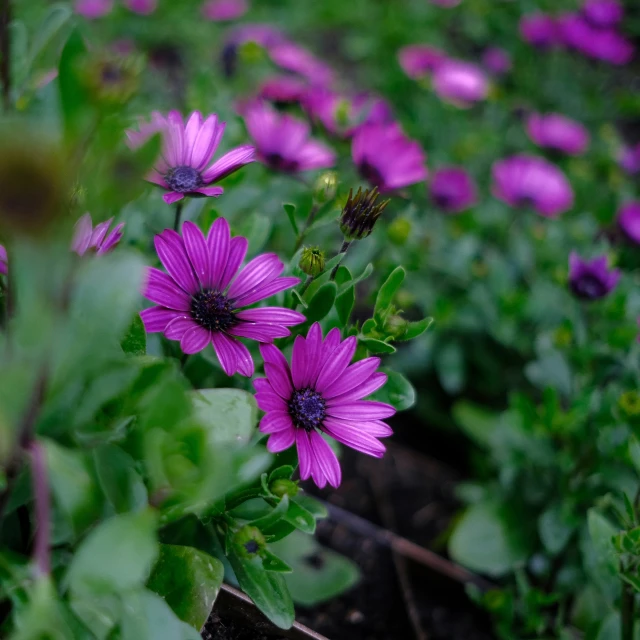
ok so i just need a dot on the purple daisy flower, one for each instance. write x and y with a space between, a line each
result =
4 261
525 180
629 221
453 190
496 60
539 30
186 151
420 60
591 279
92 9
292 57
386 158
603 13
460 83
283 142
321 393
85 237
201 299
629 158
223 10
557 132
283 89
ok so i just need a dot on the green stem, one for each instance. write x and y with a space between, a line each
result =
343 250
5 53
627 613
176 222
305 229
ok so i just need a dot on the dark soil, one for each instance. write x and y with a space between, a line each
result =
225 628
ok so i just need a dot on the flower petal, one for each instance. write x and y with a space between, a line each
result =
269 401
276 421
259 332
327 467
245 361
361 410
191 131
176 329
281 440
162 290
312 348
369 386
305 453
172 196
227 354
212 192
156 319
82 235
272 315
198 252
172 254
207 142
237 251
352 377
279 380
299 362
262 268
229 162
218 241
267 290
336 365
194 339
354 437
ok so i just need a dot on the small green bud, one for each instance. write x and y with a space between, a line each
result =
343 113
399 230
283 487
312 261
326 187
396 326
111 78
361 213
629 403
249 541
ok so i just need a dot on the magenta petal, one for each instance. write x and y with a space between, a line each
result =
312 349
262 268
270 289
237 251
218 241
259 332
176 329
335 367
172 196
204 145
354 437
156 319
273 315
281 440
262 384
226 352
326 462
212 192
194 339
305 453
272 354
112 239
279 379
198 252
162 290
277 420
191 131
244 359
172 254
299 363
363 410
371 385
269 401
100 232
82 235
229 163
352 377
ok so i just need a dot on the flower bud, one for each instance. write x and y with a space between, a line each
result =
111 78
361 213
326 187
399 230
248 541
283 487
312 261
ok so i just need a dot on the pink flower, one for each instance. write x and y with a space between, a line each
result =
460 83
283 142
387 158
321 393
186 151
201 299
629 221
629 158
92 9
222 10
292 57
453 190
603 13
558 132
496 60
283 89
86 237
539 30
4 262
420 60
591 279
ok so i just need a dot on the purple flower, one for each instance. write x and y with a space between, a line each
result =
222 10
557 132
630 158
264 35
453 190
603 13
292 57
525 180
629 221
321 393
143 7
496 60
4 262
460 83
283 89
387 158
539 30
283 142
85 237
591 279
420 60
186 151
200 299
92 9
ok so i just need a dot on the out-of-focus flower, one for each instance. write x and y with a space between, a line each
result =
4 261
525 180
387 158
111 78
200 299
85 237
496 60
249 541
223 10
539 30
629 221
420 60
321 393
360 213
312 261
591 279
460 83
262 35
283 89
630 158
92 9
453 190
143 7
283 142
293 57
603 13
555 131
186 151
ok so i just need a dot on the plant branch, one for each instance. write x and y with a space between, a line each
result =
42 552
343 250
310 218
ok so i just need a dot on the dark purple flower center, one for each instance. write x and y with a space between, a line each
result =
444 200
307 409
526 201
211 310
252 546
589 287
278 162
184 179
371 174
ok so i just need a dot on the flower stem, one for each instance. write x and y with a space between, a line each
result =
343 250
176 222
627 605
307 224
5 53
42 553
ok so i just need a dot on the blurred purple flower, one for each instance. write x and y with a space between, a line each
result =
321 393
591 279
629 221
555 131
420 60
603 13
496 60
387 158
524 180
453 190
92 9
4 261
292 57
186 151
539 30
201 297
85 237
222 10
283 142
143 7
264 35
283 89
460 83
630 158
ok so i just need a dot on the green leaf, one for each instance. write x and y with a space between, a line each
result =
290 210
315 508
319 574
135 341
634 453
397 391
376 346
386 293
229 415
283 472
344 305
478 423
368 270
415 329
450 367
601 532
555 529
119 479
299 299
278 513
300 517
322 302
116 555
189 580
550 370
55 18
488 538
271 562
74 100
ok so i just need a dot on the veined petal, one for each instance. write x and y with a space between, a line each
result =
207 143
172 196
305 453
262 268
229 162
299 363
312 349
244 359
227 354
212 192
100 232
281 440
198 252
361 410
269 289
352 377
327 466
191 131
194 339
156 319
162 290
279 379
276 421
218 241
354 437
366 388
178 327
172 254
272 315
259 332
269 401
336 365
237 251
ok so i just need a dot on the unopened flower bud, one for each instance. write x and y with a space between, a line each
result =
399 230
361 213
326 187
283 487
629 403
396 325
111 78
312 261
248 541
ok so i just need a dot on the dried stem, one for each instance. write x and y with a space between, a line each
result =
42 553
